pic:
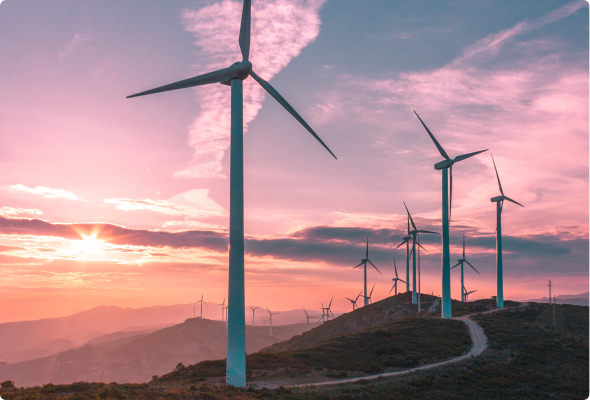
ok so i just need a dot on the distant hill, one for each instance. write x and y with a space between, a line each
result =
25 340
136 357
581 299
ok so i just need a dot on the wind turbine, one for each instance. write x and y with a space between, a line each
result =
396 279
466 293
222 310
201 301
233 76
308 317
354 301
447 201
499 200
328 311
406 240
368 299
253 309
461 261
270 318
414 232
364 262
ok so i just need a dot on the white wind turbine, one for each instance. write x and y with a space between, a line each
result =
233 76
270 318
354 307
396 279
253 310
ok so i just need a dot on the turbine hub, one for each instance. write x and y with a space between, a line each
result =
444 164
241 70
497 199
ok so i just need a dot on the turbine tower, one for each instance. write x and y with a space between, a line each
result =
461 261
499 200
396 279
253 310
414 232
201 301
550 290
447 201
222 310
354 307
270 318
233 76
364 262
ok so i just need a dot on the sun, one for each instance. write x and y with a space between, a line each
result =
90 245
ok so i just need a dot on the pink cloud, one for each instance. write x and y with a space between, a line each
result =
46 192
280 30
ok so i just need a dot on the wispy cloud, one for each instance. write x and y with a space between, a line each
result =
46 192
280 30
14 211
78 40
493 42
194 203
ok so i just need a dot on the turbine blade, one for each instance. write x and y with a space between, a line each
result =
374 266
349 299
370 294
436 233
472 267
497 176
421 246
221 75
451 194
436 143
405 240
464 156
455 265
392 287
244 39
367 253
408 223
402 281
409 216
395 266
463 246
513 201
358 265
330 305
287 107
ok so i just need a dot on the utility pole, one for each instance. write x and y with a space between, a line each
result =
418 274
553 311
549 291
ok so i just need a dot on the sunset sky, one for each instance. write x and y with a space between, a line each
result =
112 201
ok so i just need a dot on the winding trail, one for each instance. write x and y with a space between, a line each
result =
479 344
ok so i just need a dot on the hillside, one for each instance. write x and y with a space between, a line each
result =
525 359
573 299
137 358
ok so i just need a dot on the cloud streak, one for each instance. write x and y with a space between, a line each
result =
46 192
280 30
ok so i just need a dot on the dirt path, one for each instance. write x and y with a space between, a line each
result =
478 338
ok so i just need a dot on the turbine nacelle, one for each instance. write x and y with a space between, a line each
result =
444 164
497 199
241 69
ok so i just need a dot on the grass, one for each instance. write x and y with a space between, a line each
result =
393 346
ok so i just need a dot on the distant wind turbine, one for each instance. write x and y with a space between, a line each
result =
364 262
328 310
466 293
415 242
396 279
270 318
368 298
447 201
406 240
201 301
461 261
233 76
253 310
222 310
499 200
308 317
354 301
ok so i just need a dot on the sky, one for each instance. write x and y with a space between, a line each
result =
112 201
